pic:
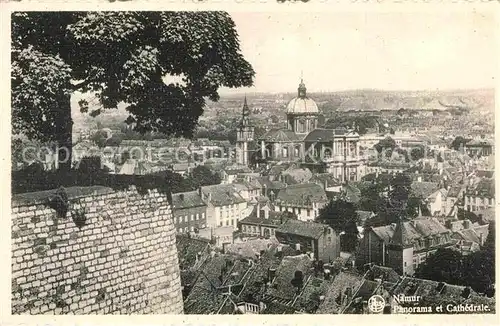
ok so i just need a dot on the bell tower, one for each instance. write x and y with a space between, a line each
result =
244 135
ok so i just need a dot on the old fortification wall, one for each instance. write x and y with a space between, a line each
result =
114 252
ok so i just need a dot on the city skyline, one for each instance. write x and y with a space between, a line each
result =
371 51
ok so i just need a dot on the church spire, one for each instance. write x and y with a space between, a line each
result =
245 119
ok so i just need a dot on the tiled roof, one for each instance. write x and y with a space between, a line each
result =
274 219
351 193
280 135
484 188
188 248
186 200
455 190
251 248
424 189
222 195
298 175
387 274
474 234
274 184
412 230
321 178
308 300
487 214
205 298
306 229
302 194
282 287
332 304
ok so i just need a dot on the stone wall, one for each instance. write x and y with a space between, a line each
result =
120 259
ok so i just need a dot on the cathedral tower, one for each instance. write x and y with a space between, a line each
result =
244 136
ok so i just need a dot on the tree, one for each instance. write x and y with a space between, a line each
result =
120 57
386 143
458 143
445 265
341 216
99 138
274 119
203 176
417 153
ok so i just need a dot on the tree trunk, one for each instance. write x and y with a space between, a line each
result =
63 134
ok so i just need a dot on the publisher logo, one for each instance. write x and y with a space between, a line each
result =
376 303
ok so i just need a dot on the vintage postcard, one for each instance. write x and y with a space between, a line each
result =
251 162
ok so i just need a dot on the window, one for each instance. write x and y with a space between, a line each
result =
192 217
197 216
297 151
186 229
308 213
185 218
220 224
299 211
192 228
285 152
227 223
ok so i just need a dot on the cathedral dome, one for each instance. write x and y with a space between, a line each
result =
302 104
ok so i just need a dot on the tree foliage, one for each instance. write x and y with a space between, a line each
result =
203 176
385 144
458 143
341 216
121 57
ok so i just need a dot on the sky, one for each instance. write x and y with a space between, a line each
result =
355 50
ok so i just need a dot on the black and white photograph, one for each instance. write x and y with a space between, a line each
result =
241 162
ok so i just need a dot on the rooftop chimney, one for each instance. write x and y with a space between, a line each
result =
271 274
326 273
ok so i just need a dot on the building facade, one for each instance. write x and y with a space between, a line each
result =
404 245
225 207
318 240
189 212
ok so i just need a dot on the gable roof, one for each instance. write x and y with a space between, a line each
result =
410 231
342 281
187 199
307 229
281 286
302 194
424 189
222 195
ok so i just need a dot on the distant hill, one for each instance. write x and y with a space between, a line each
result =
376 100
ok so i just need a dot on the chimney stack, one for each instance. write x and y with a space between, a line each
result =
271 274
326 274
